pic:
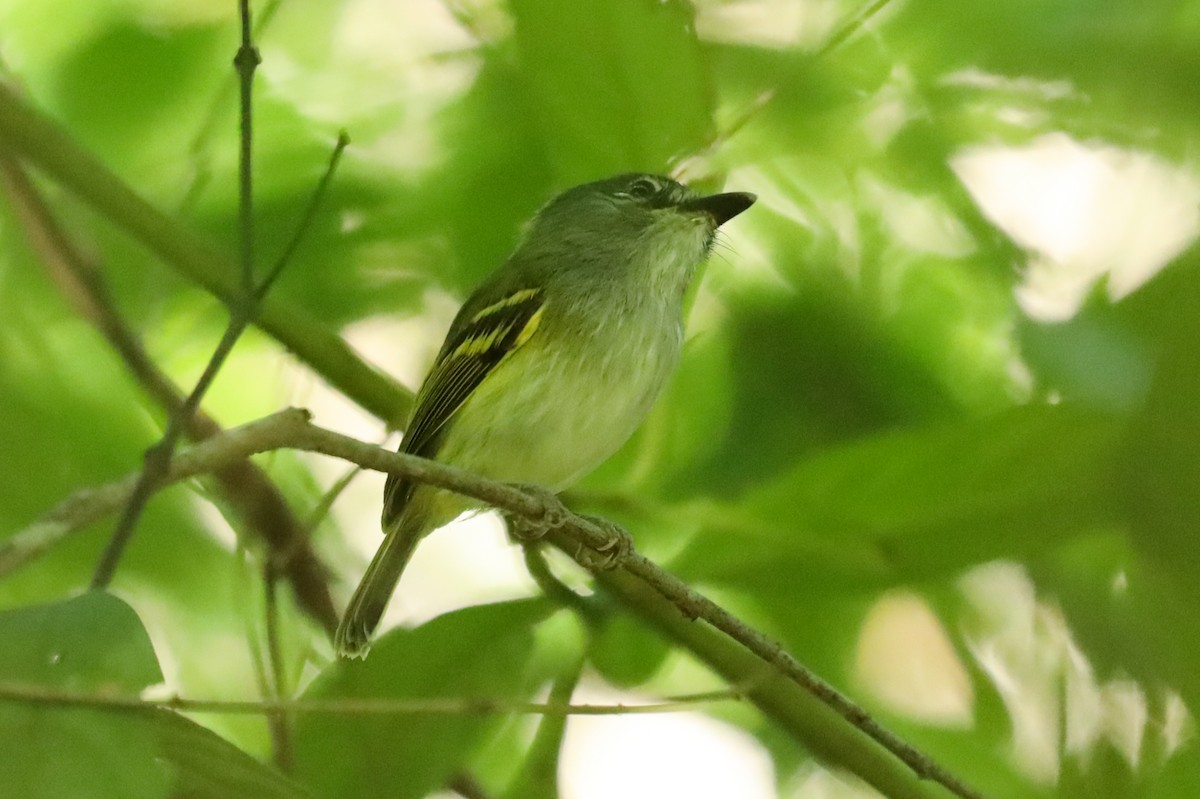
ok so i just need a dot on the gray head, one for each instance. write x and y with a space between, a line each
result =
651 223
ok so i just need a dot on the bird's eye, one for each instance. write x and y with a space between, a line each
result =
643 188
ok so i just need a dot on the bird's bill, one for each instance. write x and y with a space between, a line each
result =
721 207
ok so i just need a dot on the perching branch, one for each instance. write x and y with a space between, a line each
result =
247 488
785 690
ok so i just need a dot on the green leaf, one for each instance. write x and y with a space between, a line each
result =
495 178
626 652
129 90
482 652
618 85
93 643
1160 472
809 370
916 504
206 766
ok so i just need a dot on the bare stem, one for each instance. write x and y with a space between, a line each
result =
241 315
434 706
279 722
246 62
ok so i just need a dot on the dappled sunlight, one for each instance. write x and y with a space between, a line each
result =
660 755
906 660
769 23
1085 212
923 224
1057 705
815 782
402 63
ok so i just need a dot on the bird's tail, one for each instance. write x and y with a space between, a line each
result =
366 607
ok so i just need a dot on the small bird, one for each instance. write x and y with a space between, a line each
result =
553 362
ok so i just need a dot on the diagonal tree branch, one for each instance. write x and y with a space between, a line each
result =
826 721
41 142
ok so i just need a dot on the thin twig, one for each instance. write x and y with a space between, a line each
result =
198 155
539 771
246 62
306 218
577 536
28 693
246 487
158 457
850 27
279 722
325 504
553 588
241 316
764 98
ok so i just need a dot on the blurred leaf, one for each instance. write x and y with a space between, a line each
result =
808 371
1105 775
1135 61
129 80
626 653
816 105
618 85
1179 777
484 652
205 766
1160 473
1090 360
494 178
916 504
93 643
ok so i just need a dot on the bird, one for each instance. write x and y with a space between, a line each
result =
552 362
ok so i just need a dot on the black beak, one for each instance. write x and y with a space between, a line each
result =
721 207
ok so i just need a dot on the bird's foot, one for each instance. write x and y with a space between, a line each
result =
525 529
611 554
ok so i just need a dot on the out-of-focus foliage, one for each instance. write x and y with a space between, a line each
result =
866 408
95 644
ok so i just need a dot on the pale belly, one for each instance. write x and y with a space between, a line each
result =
600 400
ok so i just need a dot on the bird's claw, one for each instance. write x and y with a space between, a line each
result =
554 515
611 553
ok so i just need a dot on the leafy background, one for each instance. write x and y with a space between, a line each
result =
936 428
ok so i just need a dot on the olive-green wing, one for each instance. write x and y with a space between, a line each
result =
478 341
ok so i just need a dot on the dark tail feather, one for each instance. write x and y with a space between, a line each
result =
366 607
